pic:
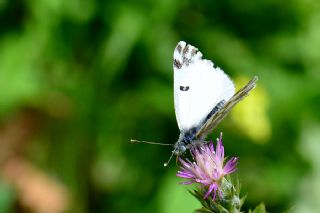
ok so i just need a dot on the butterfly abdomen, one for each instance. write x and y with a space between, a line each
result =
214 110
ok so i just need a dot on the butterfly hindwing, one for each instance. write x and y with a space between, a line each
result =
216 118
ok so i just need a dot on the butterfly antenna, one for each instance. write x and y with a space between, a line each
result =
150 142
167 163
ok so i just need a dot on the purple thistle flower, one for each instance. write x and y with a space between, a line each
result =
207 168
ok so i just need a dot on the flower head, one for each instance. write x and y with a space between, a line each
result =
207 168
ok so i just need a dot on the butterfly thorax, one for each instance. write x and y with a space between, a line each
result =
185 141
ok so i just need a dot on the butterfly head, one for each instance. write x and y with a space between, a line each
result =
179 149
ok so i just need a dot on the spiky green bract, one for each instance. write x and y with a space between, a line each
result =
259 209
229 202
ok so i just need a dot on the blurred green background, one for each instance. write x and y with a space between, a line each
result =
78 79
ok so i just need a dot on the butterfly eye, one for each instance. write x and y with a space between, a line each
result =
182 88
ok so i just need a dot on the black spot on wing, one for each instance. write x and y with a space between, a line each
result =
186 61
184 88
194 52
179 48
186 49
186 55
177 64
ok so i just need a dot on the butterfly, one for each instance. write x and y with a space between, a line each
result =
203 96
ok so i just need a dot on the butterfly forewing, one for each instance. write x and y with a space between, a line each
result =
198 86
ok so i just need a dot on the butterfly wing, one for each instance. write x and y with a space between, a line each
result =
198 86
217 117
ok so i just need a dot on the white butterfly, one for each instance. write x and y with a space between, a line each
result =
203 95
